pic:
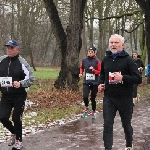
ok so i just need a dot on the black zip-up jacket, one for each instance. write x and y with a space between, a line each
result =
139 64
17 68
124 64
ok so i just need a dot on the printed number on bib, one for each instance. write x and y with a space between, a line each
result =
6 81
111 78
90 76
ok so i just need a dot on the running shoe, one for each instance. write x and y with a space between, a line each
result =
85 112
18 145
93 115
12 140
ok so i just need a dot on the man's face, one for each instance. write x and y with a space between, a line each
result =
134 55
115 45
91 53
12 51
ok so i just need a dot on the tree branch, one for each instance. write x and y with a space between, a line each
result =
118 16
131 30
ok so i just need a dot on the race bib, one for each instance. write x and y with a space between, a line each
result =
111 78
90 76
6 81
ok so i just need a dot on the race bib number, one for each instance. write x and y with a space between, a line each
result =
111 78
90 76
6 81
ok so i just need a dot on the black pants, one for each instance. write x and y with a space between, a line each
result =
86 91
135 86
110 107
14 105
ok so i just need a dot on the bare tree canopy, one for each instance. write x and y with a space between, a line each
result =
69 41
57 33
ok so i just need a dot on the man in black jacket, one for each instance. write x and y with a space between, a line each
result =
141 67
15 76
118 74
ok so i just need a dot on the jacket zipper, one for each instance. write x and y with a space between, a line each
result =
8 70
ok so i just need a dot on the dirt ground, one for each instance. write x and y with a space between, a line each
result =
86 133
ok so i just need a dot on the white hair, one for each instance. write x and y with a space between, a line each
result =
119 36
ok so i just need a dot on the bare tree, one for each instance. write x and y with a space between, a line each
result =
145 6
69 42
46 42
27 22
114 16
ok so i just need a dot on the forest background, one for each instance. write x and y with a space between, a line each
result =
59 32
55 35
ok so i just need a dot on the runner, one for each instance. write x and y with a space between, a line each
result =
92 67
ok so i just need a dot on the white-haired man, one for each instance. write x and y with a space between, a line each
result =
118 74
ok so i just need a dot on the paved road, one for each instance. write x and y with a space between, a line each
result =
86 134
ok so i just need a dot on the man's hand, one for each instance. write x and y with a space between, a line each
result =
140 69
117 76
91 68
16 84
80 75
101 87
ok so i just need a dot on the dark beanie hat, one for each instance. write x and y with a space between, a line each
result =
92 48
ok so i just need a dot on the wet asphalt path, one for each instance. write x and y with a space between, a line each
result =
86 134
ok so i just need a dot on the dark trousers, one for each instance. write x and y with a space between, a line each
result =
14 105
110 107
86 91
135 86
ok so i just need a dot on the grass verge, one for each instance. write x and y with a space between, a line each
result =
55 104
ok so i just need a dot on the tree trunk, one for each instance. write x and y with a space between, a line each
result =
145 6
147 33
60 35
142 40
31 57
69 44
74 42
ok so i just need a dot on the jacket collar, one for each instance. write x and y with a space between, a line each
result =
14 58
123 53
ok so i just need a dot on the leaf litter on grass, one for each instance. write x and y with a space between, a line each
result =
49 105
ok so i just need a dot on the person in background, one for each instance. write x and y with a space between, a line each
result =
141 67
16 76
147 72
118 74
92 67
